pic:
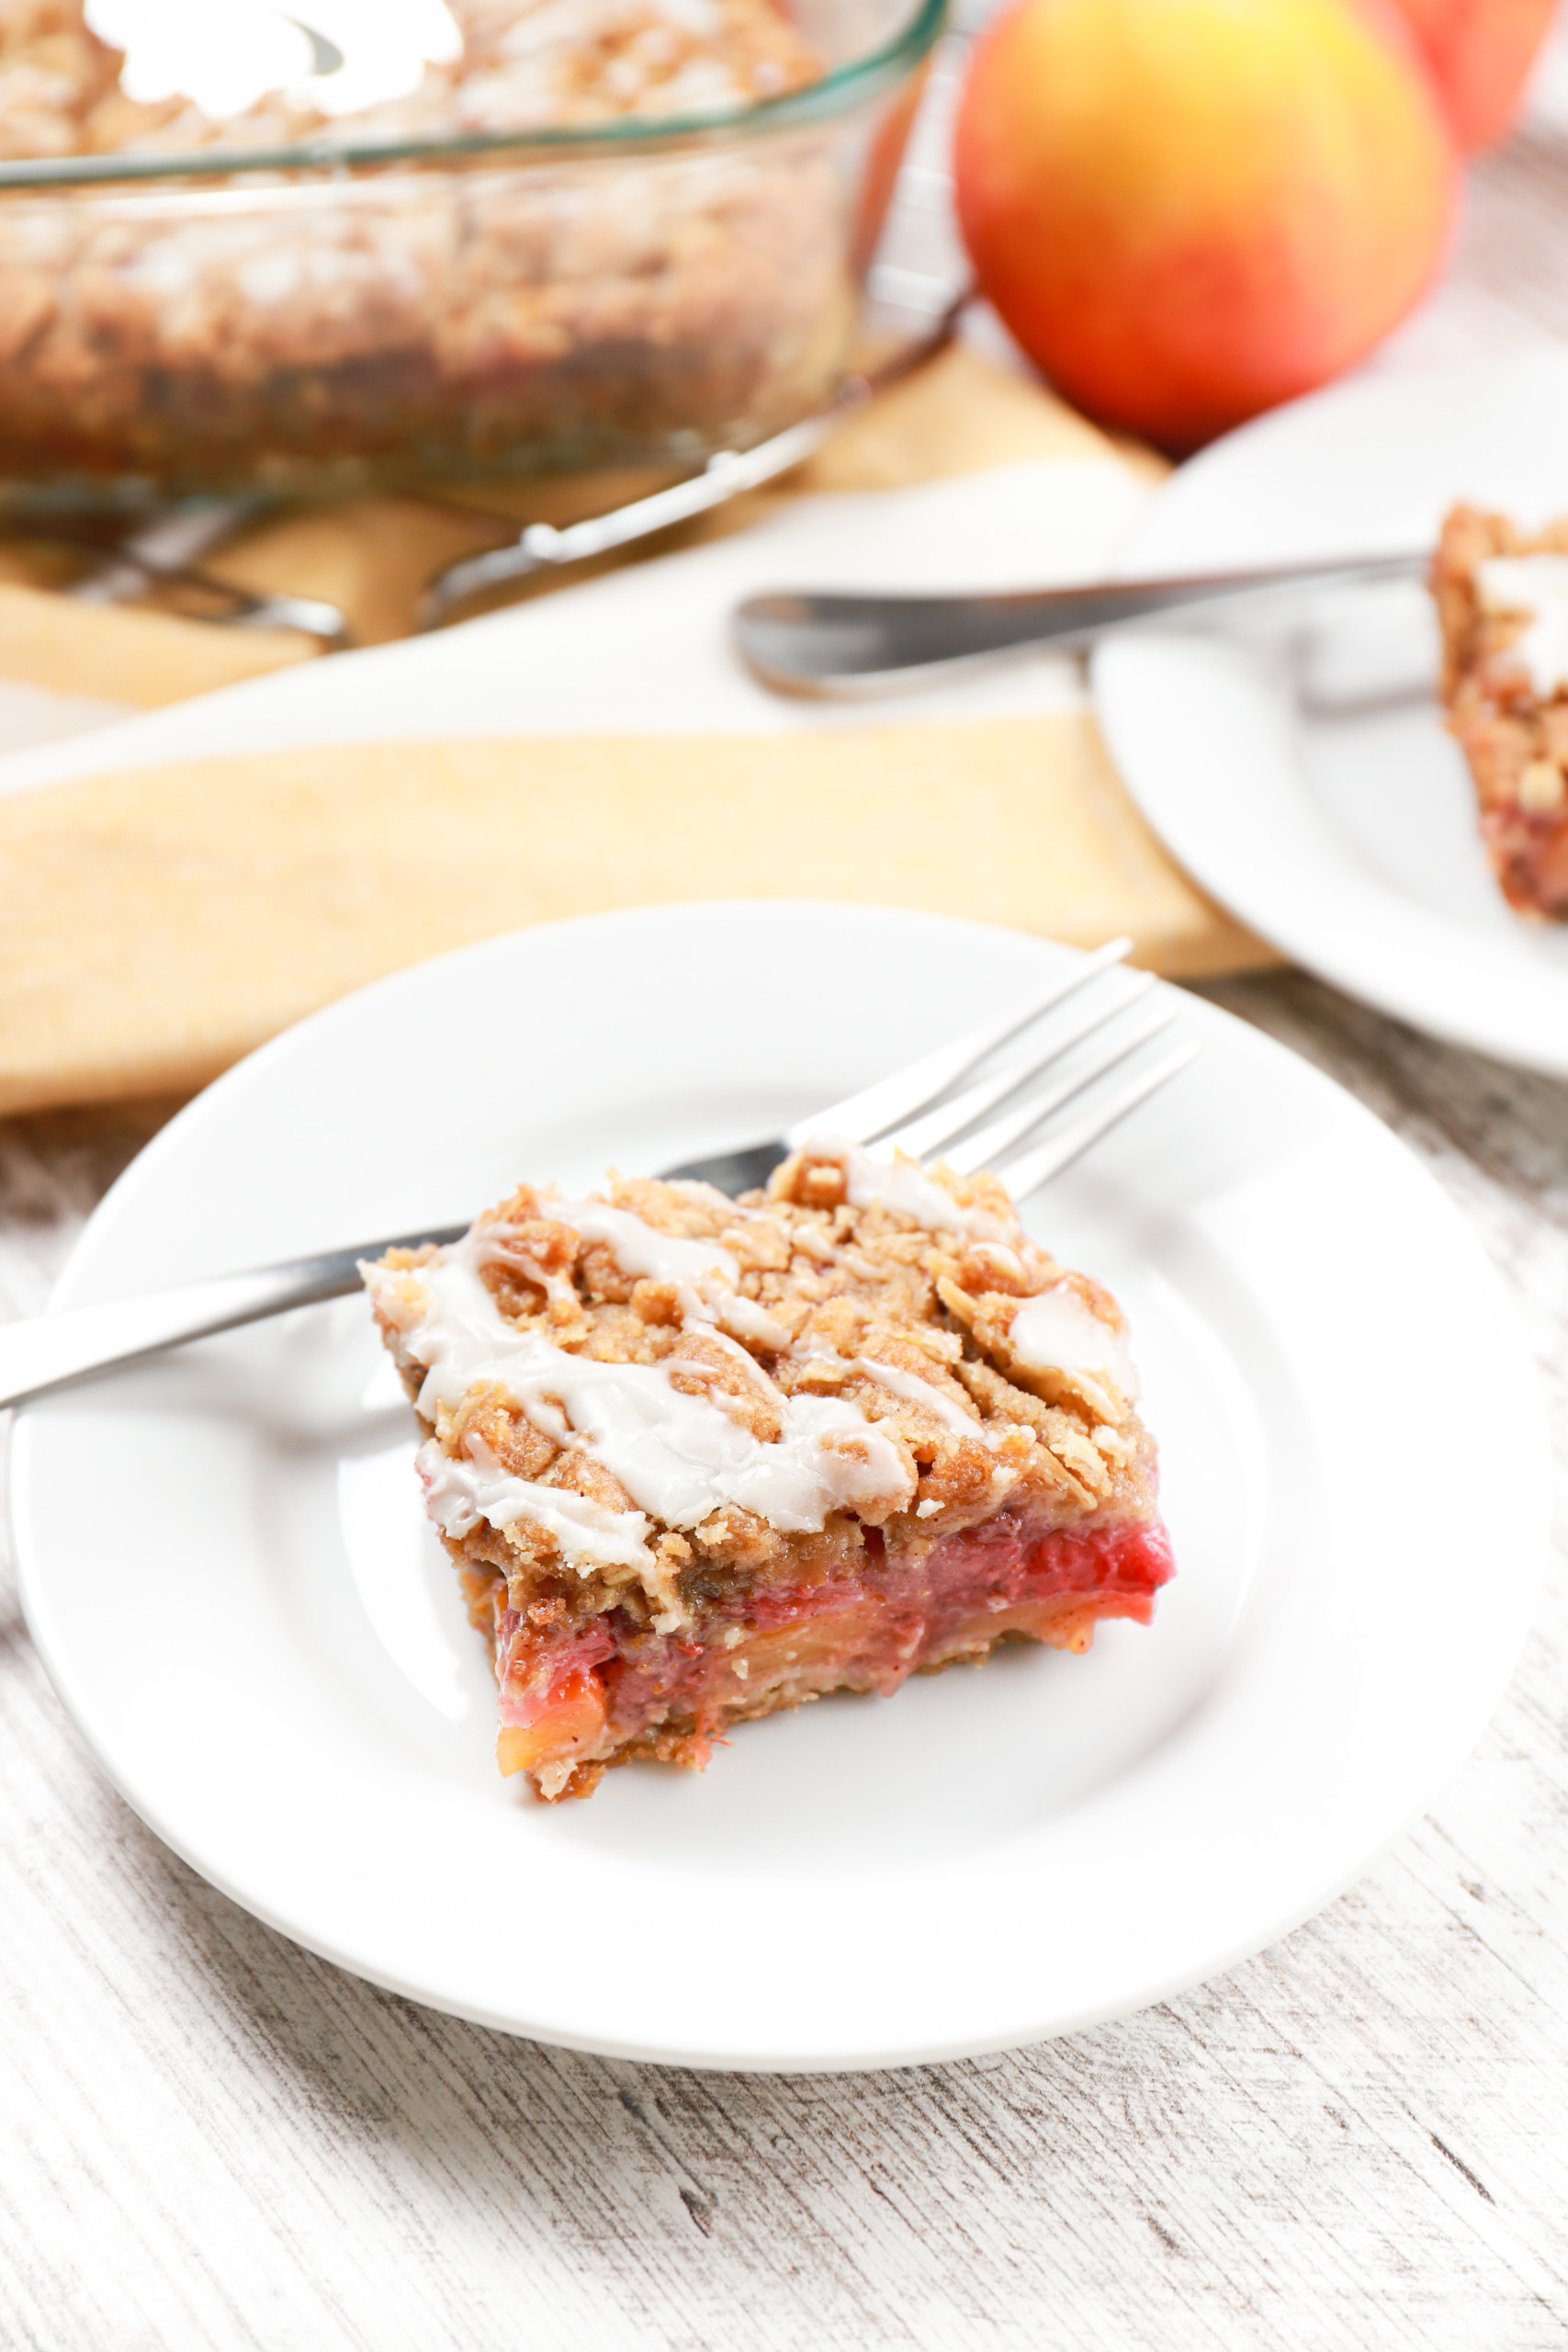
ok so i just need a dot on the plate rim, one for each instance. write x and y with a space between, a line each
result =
78 1699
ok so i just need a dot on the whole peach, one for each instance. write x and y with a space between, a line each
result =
1187 211
1481 51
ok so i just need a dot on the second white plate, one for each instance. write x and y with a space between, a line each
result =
227 1570
1302 773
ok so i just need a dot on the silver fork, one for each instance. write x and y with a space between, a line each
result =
806 641
917 1110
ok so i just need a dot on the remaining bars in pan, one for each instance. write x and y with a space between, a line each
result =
698 1459
1502 597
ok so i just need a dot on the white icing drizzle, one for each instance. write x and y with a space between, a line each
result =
705 1275
640 1249
500 1245
226 59
916 1391
696 1368
679 1457
1537 587
903 1186
460 1492
1058 1332
1000 1259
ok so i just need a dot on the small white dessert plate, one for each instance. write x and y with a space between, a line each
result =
269 1657
1300 770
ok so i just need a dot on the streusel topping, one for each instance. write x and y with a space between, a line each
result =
631 1393
507 65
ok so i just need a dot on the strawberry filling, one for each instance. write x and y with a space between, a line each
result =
863 1632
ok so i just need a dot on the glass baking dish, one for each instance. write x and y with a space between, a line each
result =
317 318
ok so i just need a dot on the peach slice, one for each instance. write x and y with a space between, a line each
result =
567 1724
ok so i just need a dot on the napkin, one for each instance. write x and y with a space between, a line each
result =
176 888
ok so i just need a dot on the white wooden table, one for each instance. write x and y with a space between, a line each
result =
211 2140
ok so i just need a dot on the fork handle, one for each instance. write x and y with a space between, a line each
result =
50 1349
806 641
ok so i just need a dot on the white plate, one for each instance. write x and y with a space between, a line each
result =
1302 776
226 1569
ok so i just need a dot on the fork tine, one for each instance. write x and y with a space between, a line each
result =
917 1086
984 1150
1038 1166
922 1136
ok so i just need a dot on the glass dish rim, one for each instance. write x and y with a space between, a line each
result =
833 94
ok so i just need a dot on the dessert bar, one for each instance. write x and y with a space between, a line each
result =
698 1459
1502 596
